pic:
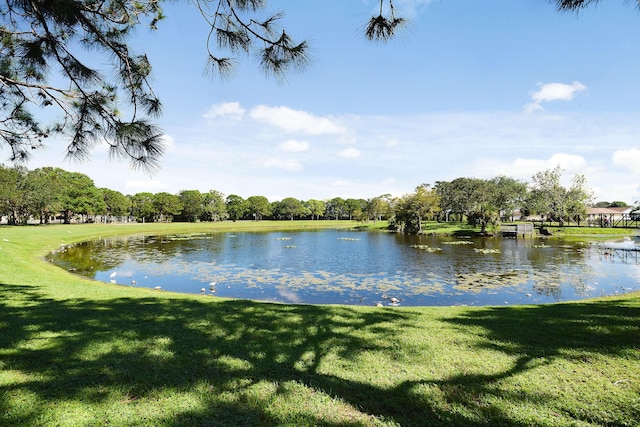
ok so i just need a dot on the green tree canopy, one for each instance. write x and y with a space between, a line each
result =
618 204
166 205
43 188
117 204
414 208
213 206
316 208
142 206
236 207
290 207
549 197
78 195
455 196
11 195
192 207
336 208
258 207
39 37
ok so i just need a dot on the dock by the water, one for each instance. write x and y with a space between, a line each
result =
524 229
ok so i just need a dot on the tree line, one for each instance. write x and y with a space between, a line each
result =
53 194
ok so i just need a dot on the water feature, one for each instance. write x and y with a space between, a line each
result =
362 268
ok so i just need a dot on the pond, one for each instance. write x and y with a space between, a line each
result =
362 268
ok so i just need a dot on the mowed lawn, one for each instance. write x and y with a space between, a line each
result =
79 353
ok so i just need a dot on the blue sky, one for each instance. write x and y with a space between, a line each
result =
470 89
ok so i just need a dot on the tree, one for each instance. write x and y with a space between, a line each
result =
291 207
416 207
78 195
258 207
316 208
43 189
336 208
236 207
117 204
484 204
11 194
191 201
142 206
577 199
213 206
378 207
166 206
509 194
354 207
618 204
455 196
550 198
576 5
41 36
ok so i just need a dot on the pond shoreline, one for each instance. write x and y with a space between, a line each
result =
372 275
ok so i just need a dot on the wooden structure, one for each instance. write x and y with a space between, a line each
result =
522 229
625 217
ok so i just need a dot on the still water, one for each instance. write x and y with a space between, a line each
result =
362 268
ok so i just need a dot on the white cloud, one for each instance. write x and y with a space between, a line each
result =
568 162
168 140
390 142
225 109
525 168
294 146
286 164
628 159
295 121
349 153
553 92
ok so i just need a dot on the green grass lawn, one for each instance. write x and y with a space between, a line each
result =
78 353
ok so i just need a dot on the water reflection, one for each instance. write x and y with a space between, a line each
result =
362 268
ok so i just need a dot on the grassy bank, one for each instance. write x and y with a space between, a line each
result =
78 353
591 231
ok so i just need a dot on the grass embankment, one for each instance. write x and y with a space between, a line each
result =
590 231
78 353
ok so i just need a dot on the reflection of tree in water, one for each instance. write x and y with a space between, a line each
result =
556 266
106 254
547 285
82 259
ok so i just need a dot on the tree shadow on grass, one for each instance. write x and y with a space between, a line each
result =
608 326
573 333
238 360
142 348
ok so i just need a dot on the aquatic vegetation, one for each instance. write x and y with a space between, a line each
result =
481 281
458 242
487 251
426 248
